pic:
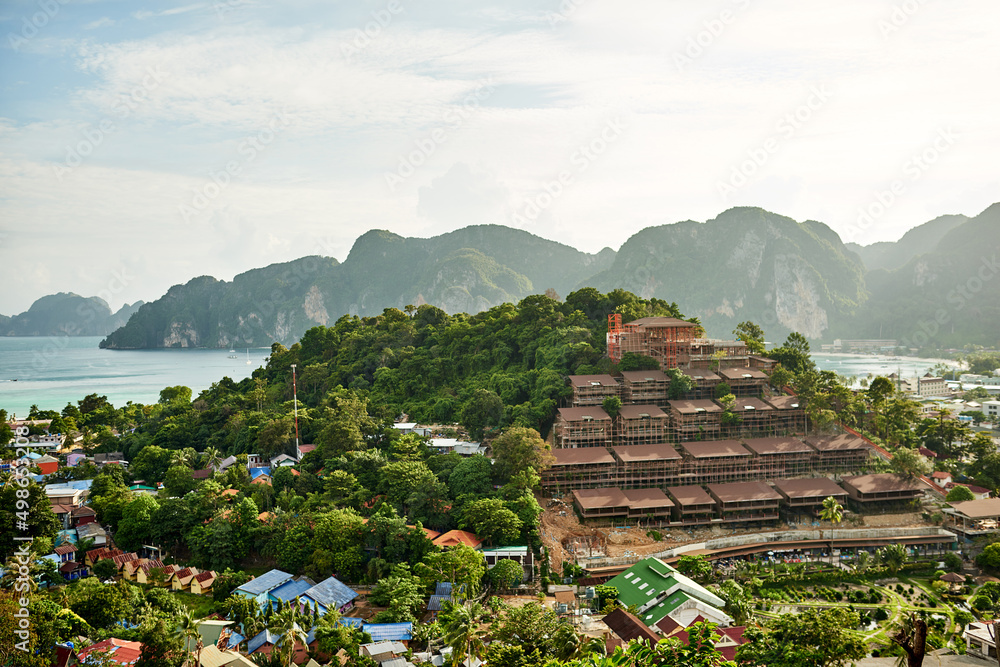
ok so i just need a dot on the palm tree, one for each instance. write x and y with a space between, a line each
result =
893 556
180 458
460 625
211 457
286 624
863 562
832 510
187 630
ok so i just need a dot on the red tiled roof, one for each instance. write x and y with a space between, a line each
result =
62 509
64 549
204 576
456 537
202 474
151 565
123 559
84 511
120 651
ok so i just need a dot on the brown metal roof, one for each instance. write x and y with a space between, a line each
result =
740 491
633 453
694 407
658 323
637 377
978 509
811 487
751 404
882 482
592 380
639 411
629 627
594 412
565 597
690 495
594 498
779 445
639 498
830 443
582 455
784 402
742 374
700 374
714 449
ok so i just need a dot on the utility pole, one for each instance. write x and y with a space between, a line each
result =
295 402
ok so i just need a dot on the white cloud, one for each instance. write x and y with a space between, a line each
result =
103 22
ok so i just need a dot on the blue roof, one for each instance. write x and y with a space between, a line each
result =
265 637
389 631
436 601
331 593
257 472
442 588
352 622
264 583
289 590
234 640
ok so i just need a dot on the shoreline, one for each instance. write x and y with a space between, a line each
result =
931 361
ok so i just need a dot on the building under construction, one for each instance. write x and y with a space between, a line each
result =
707 462
736 503
644 387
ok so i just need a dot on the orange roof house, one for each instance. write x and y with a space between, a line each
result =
142 574
201 583
119 650
455 537
182 580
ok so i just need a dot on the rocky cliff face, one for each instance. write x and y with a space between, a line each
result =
746 264
469 270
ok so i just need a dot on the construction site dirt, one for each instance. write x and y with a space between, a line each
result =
566 539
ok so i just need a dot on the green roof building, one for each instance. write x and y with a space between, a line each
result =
656 590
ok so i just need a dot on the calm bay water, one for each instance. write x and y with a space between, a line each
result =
51 371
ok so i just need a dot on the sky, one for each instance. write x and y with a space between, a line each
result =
145 143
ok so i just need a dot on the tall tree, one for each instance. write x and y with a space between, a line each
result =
813 638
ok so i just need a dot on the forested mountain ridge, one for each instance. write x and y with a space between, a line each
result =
469 270
67 314
745 264
917 241
947 297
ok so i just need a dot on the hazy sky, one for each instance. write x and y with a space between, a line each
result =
145 143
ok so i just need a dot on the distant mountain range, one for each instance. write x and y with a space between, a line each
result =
67 314
746 264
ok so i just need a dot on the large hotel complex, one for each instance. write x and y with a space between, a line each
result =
694 459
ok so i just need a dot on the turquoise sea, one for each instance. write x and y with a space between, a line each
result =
51 371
